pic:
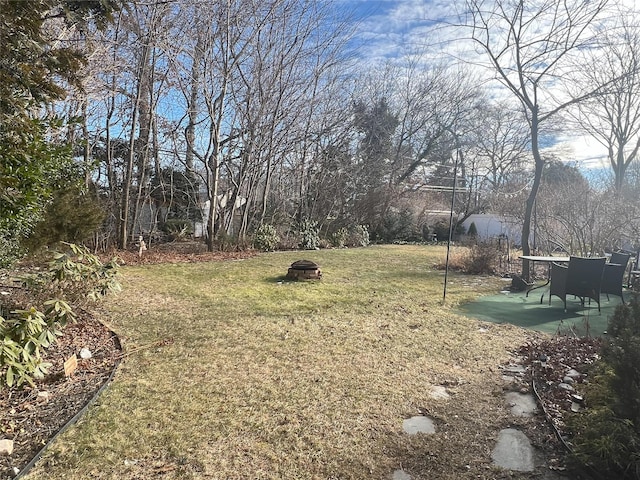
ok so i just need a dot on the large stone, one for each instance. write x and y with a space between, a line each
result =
401 475
513 451
6 447
573 373
521 404
418 424
438 392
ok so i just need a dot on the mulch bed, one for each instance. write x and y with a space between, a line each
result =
180 252
32 416
547 362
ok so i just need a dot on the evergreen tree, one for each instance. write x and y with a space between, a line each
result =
33 70
377 125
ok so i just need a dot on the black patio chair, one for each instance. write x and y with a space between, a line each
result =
582 278
620 258
613 275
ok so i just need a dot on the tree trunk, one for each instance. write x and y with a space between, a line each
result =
192 108
214 176
145 82
531 199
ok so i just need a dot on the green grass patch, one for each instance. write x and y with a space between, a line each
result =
264 378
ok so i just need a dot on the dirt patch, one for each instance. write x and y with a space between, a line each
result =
556 364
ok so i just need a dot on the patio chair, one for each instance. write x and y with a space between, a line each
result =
582 278
620 258
613 275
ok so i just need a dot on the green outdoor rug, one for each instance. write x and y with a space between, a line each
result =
527 312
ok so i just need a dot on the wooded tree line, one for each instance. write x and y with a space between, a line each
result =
237 113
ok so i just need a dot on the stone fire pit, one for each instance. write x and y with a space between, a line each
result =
304 269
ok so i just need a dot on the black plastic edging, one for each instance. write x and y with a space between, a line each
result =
75 418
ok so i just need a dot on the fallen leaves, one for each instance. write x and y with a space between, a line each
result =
549 362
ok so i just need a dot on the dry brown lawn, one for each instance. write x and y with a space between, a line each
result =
233 373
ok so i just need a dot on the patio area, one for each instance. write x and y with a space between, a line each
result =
526 311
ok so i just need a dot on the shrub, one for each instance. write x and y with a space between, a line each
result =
427 234
458 259
358 236
441 230
482 259
79 276
396 226
622 353
473 230
309 234
289 241
606 443
71 280
25 335
177 228
225 242
266 238
607 434
73 215
339 238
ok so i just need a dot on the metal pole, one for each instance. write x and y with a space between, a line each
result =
535 226
453 199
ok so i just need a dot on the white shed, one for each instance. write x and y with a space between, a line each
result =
491 226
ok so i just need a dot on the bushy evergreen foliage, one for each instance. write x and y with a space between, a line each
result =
607 434
33 67
339 238
441 229
396 226
309 234
177 228
358 236
31 321
266 238
72 216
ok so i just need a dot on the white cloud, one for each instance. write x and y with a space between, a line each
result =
586 151
393 27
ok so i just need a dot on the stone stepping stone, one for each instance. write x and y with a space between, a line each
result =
521 404
514 370
513 451
438 392
418 424
400 475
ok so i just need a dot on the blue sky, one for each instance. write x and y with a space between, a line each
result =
390 27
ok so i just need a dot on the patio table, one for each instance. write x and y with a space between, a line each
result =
548 259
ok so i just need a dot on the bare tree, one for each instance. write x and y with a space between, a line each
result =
430 109
532 46
613 117
572 213
499 143
144 22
